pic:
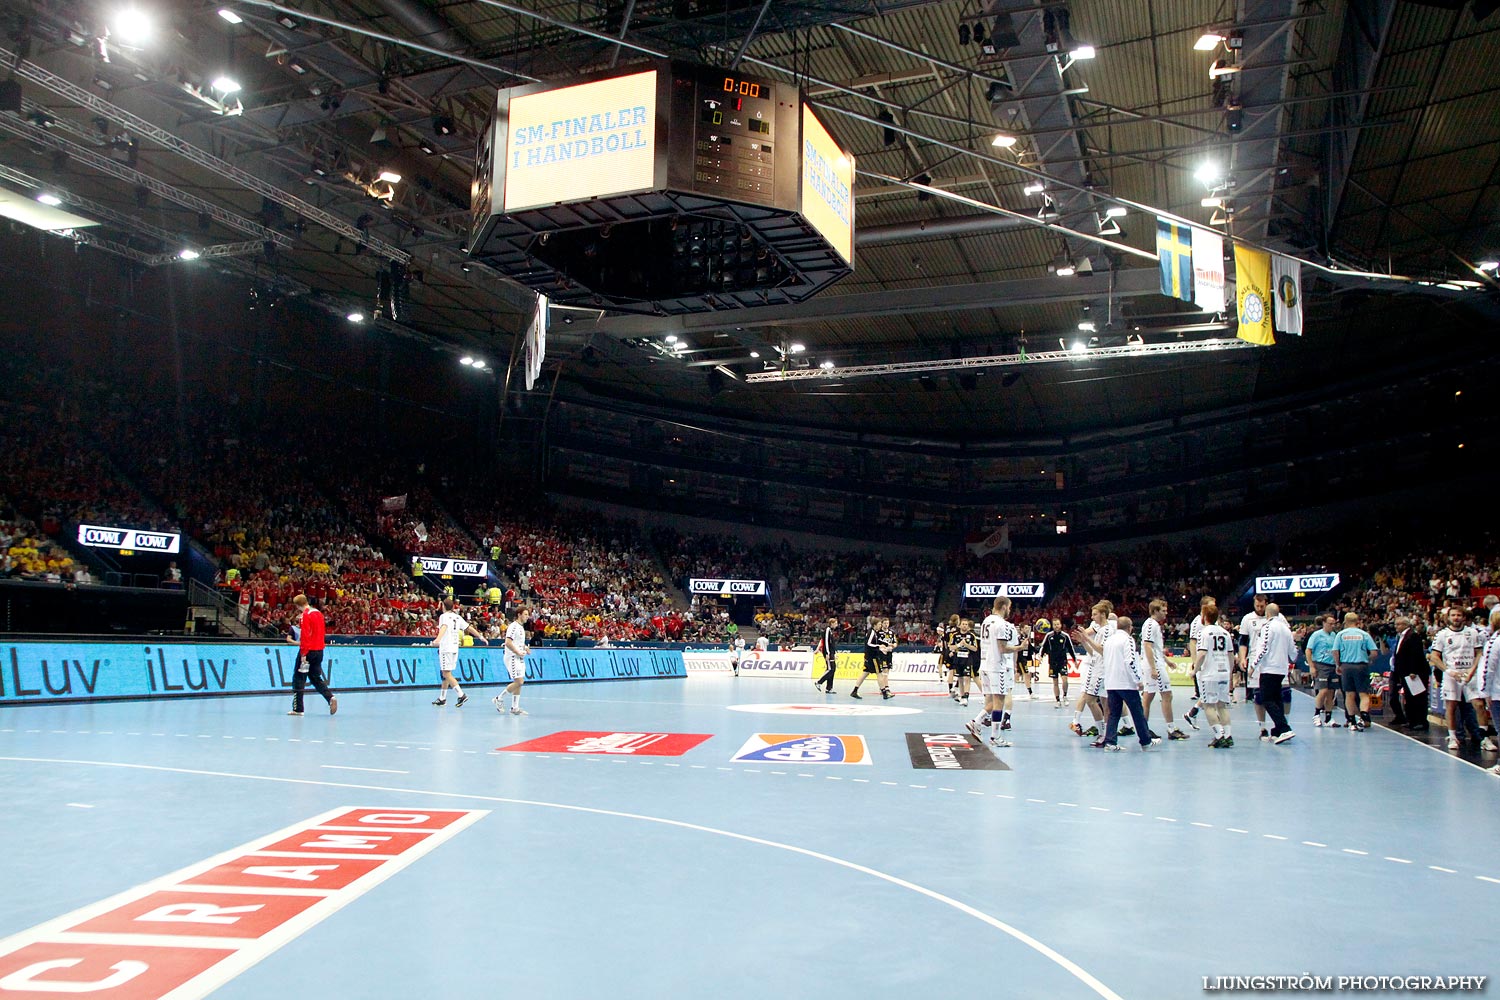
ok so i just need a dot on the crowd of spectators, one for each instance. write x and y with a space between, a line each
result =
26 553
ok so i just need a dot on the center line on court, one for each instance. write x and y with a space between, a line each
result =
375 770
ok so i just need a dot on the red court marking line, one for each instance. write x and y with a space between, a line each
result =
364 843
611 743
86 949
261 870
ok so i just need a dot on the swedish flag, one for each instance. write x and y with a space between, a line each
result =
1174 250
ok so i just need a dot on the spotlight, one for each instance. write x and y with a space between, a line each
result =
1209 173
1208 41
1066 270
671 338
225 84
1004 140
390 177
443 125
1078 347
230 16
427 146
1213 201
356 317
288 22
1035 187
1489 265
132 26
48 198
466 361
1221 67
797 348
479 364
1083 52
1116 211
826 366
188 253
755 354
1087 326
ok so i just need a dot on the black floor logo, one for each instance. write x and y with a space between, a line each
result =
951 752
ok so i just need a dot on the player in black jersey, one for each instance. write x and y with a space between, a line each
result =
963 656
945 631
1057 650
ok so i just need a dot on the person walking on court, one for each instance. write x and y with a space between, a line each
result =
1275 651
828 645
310 645
516 651
1120 667
451 627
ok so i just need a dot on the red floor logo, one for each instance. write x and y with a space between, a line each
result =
188 933
616 744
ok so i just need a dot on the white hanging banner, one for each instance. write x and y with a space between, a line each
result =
536 342
1208 270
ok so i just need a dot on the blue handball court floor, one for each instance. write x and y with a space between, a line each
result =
717 837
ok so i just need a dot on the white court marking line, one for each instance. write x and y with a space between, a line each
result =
1399 861
79 805
1350 850
1429 746
375 770
1056 957
1313 843
1448 871
1486 878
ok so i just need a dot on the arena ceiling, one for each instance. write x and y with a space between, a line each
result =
1366 136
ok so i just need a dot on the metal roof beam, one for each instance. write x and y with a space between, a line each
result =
1263 80
1367 27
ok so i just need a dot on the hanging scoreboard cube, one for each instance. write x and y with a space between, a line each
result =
667 190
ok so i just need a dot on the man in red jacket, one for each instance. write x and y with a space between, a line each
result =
310 657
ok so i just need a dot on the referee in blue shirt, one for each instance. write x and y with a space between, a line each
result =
1322 665
1354 651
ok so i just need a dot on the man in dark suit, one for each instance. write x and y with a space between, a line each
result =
828 645
1409 659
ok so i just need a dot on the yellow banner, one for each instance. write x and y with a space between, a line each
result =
1252 287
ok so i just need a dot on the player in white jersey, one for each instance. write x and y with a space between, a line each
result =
1092 668
736 653
999 641
762 646
451 627
1195 628
1453 652
1487 680
1158 680
1250 628
516 651
1211 667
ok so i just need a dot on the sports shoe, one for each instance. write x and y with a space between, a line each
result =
1318 721
973 730
515 710
1333 724
1488 743
996 741
1228 742
1155 741
461 699
1177 734
1149 746
333 705
1265 737
1284 737
294 712
499 705
1495 769
1099 744
1112 748
964 701
441 701
855 694
954 695
1075 729
1452 740
1005 725
886 695
1217 743
1127 731
1191 721
1091 731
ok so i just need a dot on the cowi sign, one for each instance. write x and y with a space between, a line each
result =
1306 583
978 591
728 588
98 536
450 567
